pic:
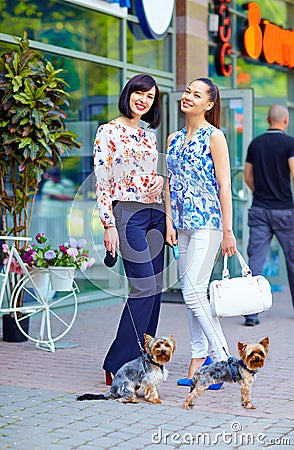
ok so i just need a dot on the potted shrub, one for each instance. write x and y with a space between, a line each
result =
33 133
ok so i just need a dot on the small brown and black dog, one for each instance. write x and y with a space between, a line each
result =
233 370
146 372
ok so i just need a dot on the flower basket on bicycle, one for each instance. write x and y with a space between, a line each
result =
61 278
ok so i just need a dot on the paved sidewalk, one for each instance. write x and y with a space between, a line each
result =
38 391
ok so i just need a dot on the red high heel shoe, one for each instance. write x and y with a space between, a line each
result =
108 378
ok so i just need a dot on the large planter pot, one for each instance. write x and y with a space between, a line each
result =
62 278
11 332
40 277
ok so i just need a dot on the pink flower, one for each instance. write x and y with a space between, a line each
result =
72 252
5 248
91 262
15 267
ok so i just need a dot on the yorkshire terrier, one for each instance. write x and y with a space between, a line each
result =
146 372
233 370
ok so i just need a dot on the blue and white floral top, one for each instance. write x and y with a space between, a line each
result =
193 186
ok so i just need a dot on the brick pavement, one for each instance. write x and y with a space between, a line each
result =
38 391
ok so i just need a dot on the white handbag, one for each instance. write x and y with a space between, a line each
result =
241 295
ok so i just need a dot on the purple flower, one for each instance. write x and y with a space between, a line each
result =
27 258
40 238
50 254
81 243
72 242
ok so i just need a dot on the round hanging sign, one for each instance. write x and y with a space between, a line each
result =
155 17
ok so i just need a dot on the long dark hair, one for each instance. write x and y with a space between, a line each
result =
213 115
142 83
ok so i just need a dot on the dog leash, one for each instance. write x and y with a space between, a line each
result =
135 329
145 358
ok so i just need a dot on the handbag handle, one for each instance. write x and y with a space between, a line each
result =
245 268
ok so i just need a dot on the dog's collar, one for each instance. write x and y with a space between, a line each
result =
147 358
241 362
234 376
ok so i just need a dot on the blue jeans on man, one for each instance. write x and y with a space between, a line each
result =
264 224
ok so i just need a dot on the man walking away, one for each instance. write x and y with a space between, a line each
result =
269 163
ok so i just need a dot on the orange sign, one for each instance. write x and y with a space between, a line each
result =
266 41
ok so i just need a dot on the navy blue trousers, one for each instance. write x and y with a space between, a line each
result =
263 224
141 229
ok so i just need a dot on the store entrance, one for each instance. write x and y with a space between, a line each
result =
237 125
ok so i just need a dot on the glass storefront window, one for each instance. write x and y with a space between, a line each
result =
155 54
94 92
266 80
62 24
93 100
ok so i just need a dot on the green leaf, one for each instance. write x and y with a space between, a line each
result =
24 121
45 130
29 90
24 142
23 98
33 150
19 114
17 83
38 117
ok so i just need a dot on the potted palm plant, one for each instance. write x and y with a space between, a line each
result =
33 132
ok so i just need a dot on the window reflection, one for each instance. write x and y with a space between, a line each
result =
62 24
94 91
155 54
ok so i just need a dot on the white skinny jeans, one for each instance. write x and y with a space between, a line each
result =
198 250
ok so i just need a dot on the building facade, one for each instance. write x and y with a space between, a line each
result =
246 48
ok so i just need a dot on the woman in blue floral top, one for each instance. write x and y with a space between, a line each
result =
199 213
128 193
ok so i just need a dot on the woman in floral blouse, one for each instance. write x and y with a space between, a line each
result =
199 207
131 210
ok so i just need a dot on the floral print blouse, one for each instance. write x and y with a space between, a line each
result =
193 186
125 162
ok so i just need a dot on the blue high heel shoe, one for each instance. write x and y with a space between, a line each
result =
188 381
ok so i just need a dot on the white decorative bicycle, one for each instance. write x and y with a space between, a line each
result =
51 313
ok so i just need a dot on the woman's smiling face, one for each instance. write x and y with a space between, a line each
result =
141 101
195 98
